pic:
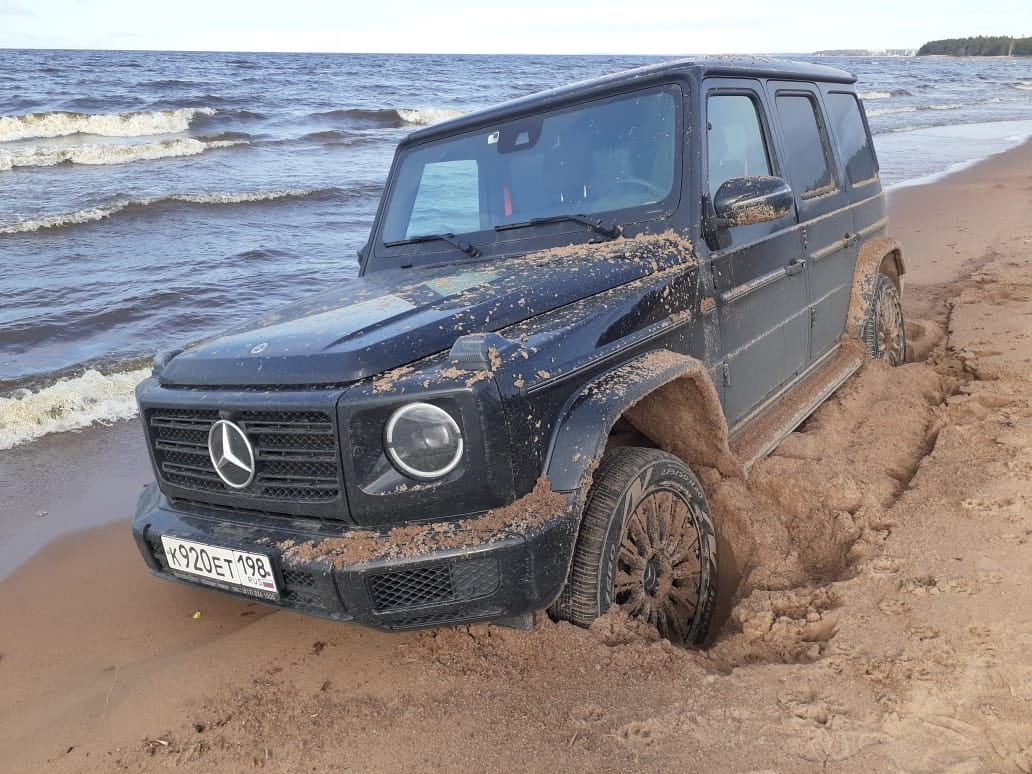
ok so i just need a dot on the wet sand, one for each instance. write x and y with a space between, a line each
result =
68 482
884 623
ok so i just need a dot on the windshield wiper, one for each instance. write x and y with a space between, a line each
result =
599 226
454 241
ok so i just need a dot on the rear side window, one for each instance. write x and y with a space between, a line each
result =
807 148
735 139
848 126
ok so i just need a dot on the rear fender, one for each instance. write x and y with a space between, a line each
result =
882 255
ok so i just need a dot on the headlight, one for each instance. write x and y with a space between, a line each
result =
423 441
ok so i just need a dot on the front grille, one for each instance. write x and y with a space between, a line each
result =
295 452
434 584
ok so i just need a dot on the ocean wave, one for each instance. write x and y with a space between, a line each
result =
1023 85
949 106
872 95
70 404
890 111
334 138
94 214
394 117
101 154
427 117
61 124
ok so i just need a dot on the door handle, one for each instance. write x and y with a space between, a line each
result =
795 267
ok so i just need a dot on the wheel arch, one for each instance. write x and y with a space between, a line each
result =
642 391
881 255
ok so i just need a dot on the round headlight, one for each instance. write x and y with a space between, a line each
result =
423 441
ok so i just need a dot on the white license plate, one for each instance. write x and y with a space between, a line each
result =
223 568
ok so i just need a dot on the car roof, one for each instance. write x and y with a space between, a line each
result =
697 67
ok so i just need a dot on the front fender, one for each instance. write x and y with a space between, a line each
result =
667 396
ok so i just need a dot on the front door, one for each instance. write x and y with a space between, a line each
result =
760 277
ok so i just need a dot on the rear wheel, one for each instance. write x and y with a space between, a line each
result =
646 543
884 330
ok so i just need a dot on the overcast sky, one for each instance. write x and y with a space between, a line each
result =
507 26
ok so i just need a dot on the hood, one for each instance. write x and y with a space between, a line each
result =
381 321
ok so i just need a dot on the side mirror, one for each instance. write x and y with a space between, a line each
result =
746 201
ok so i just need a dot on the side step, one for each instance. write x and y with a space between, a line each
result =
789 409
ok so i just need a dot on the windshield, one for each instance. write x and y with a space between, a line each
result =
603 156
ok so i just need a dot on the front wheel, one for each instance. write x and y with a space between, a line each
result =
646 543
884 332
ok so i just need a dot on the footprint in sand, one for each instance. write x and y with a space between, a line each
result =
922 633
1012 509
928 585
1020 468
637 733
894 607
587 714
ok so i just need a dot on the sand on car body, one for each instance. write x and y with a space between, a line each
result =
876 603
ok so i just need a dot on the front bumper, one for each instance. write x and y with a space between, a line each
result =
418 586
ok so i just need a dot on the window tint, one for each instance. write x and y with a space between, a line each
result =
848 126
807 151
735 140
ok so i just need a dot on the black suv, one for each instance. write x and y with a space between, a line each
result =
567 302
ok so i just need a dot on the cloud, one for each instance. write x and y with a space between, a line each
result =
13 8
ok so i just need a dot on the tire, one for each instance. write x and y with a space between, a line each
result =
884 331
647 543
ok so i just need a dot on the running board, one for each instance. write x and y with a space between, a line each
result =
791 408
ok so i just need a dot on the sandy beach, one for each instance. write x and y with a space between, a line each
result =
883 620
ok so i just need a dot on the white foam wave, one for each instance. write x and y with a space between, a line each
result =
94 214
60 124
427 117
236 198
56 221
98 154
70 404
952 106
890 111
869 95
1023 85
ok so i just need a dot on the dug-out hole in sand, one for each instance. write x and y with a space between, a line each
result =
805 516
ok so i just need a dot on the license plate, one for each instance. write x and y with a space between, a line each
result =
224 568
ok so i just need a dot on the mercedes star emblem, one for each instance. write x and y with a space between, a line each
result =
231 454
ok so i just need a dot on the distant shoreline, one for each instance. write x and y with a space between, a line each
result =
972 56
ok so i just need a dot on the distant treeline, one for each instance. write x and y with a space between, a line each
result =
980 46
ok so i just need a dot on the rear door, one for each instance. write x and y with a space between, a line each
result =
759 278
829 247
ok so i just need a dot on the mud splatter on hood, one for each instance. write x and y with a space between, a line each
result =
380 321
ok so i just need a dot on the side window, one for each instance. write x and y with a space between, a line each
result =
849 129
805 144
735 143
448 199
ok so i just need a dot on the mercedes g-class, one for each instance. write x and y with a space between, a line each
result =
566 304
